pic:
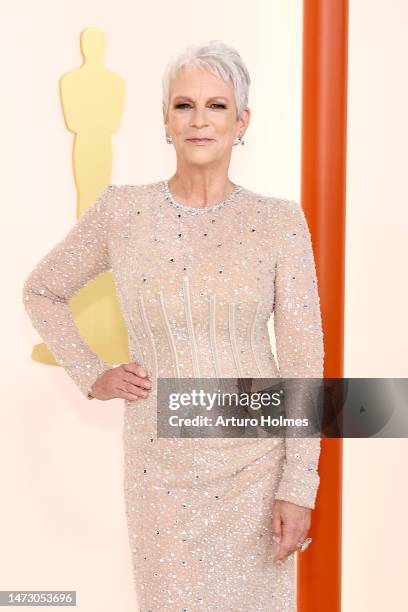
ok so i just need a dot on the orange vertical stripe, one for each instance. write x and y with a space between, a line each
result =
324 139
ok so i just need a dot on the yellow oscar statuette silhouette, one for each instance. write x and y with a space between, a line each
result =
92 100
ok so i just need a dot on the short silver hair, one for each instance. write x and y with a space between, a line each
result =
217 57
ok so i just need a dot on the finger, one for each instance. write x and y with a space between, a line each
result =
288 543
301 539
136 368
283 553
276 527
133 379
130 389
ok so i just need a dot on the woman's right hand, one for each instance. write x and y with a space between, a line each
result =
127 381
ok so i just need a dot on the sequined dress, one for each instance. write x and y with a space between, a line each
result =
196 288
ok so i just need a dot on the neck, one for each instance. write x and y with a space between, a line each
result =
200 188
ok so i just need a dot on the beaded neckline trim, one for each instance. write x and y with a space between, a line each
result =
233 197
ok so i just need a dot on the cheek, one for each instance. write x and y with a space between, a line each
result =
178 123
224 126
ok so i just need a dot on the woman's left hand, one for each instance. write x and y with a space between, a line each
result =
290 524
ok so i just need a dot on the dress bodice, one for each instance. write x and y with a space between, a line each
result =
197 288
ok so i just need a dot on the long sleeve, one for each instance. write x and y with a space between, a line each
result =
80 256
299 346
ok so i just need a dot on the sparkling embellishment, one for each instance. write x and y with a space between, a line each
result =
197 287
233 196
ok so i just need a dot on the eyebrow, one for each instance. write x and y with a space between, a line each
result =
212 98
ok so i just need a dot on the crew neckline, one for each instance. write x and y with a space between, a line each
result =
233 197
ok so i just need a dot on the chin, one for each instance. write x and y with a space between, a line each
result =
200 159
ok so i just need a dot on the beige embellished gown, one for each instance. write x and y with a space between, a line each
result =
197 288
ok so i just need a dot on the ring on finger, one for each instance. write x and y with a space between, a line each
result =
303 545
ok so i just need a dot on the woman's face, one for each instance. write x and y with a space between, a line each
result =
202 105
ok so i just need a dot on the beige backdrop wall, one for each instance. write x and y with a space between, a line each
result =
62 522
375 500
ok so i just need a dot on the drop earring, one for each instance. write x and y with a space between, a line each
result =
168 139
239 140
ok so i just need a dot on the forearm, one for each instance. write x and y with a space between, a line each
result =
300 349
51 316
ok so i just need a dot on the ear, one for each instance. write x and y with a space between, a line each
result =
243 121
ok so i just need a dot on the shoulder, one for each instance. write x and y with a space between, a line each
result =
276 207
279 203
123 197
284 218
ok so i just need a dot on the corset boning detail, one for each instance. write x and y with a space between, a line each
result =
210 338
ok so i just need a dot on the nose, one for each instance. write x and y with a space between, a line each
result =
199 118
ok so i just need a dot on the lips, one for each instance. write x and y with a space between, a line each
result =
199 139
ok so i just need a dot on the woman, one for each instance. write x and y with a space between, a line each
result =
200 263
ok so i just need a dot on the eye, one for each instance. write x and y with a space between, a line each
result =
184 104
